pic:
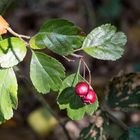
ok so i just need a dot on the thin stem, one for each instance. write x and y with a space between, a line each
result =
46 106
114 119
88 71
18 35
89 133
69 60
81 59
84 71
77 73
77 55
78 49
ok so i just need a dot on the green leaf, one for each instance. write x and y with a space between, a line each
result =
105 43
60 26
46 72
67 99
124 92
12 51
58 35
132 134
93 131
8 93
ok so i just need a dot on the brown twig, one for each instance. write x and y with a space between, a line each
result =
114 119
44 103
19 35
16 34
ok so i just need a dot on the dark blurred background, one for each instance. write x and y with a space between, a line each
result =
26 17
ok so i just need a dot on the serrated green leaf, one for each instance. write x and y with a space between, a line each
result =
132 134
67 99
12 51
105 43
75 107
124 92
60 26
8 93
58 35
46 72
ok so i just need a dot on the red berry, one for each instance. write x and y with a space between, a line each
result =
81 89
90 97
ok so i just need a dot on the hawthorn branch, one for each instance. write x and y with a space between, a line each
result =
114 119
16 34
44 103
117 121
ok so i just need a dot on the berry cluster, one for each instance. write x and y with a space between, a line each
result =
87 95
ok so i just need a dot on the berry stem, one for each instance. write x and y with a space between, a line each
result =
84 71
85 64
69 60
89 72
77 73
77 55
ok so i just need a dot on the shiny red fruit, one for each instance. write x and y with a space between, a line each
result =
81 89
90 97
